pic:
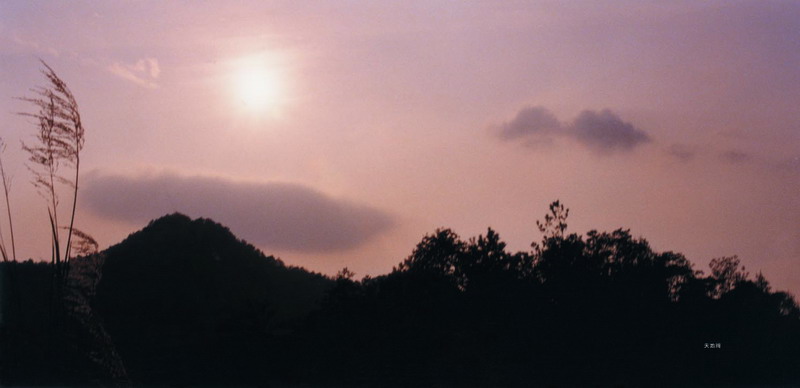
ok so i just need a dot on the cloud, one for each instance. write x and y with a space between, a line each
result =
682 152
144 72
602 131
35 46
149 65
274 215
531 121
735 156
605 131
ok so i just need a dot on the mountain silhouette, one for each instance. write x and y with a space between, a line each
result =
185 302
189 294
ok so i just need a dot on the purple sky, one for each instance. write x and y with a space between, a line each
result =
337 134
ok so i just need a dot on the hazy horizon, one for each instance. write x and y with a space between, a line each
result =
339 134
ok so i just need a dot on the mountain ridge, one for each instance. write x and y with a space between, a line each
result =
186 289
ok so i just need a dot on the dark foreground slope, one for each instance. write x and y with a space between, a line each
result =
596 310
185 300
180 302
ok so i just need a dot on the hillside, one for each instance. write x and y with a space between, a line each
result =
182 291
184 302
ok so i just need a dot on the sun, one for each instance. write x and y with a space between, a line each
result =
258 89
259 85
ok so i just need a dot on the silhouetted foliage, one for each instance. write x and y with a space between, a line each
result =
6 187
726 274
60 137
185 302
578 309
74 336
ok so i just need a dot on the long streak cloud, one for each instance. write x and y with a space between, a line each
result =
275 215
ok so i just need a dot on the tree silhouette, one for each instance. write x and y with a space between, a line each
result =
604 307
188 303
727 274
555 223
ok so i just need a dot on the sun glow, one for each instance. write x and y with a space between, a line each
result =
258 87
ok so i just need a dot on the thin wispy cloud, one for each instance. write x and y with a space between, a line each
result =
274 215
602 131
144 72
34 45
736 156
682 152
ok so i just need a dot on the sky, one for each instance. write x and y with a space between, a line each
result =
338 134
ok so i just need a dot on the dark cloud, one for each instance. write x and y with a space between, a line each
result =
531 122
605 131
682 152
735 156
275 215
602 131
